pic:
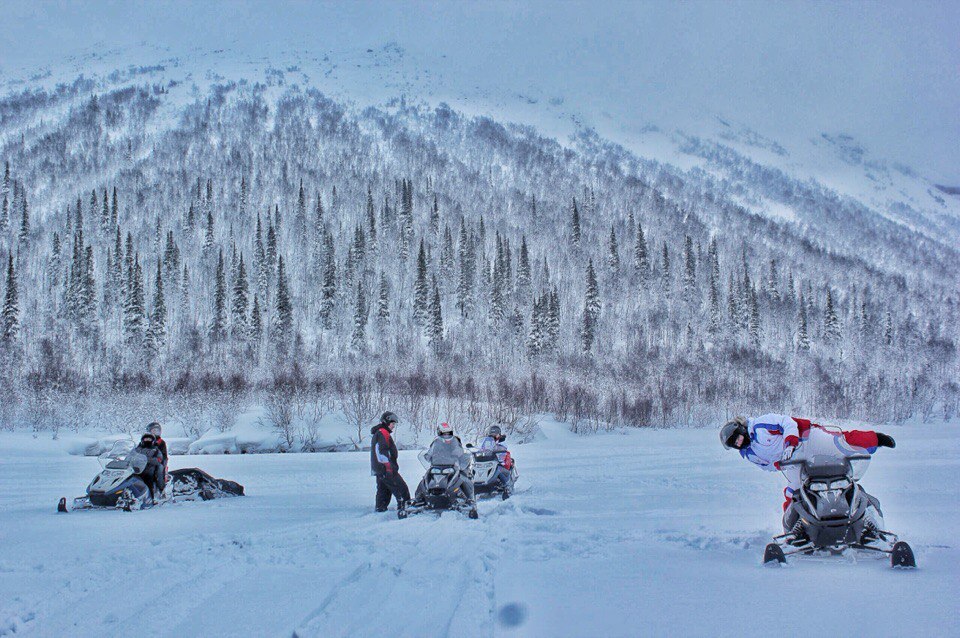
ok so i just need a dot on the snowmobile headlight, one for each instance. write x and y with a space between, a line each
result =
818 487
448 470
840 484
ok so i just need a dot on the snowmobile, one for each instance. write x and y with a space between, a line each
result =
441 489
833 513
119 486
487 466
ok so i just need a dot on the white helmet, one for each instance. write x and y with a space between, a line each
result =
445 429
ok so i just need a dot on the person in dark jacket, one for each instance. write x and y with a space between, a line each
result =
152 475
155 430
383 464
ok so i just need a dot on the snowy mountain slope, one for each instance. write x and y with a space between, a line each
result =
649 532
377 74
199 147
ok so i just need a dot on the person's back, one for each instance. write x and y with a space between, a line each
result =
445 451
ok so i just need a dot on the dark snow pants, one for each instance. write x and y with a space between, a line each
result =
391 484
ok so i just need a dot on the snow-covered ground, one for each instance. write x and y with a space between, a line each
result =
643 533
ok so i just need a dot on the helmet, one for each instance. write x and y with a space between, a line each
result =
388 417
147 440
445 430
495 432
734 434
154 429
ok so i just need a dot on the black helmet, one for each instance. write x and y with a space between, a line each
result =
495 432
388 417
154 429
147 440
734 434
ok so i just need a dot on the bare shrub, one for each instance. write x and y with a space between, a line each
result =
280 412
359 403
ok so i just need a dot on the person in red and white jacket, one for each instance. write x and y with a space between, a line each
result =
384 466
768 440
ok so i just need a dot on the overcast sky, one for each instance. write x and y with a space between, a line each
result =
887 73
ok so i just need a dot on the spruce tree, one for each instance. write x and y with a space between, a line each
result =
421 290
434 216
613 254
283 330
358 339
256 321
241 290
591 309
641 260
465 282
300 221
383 301
134 310
329 288
575 224
157 331
831 323
523 269
535 336
11 305
114 208
208 237
218 327
24 233
665 275
4 213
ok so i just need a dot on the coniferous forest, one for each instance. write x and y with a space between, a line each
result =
261 243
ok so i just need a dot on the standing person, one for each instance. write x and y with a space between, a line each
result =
383 464
768 440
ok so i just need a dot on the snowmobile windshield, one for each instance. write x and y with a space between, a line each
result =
134 460
822 467
117 451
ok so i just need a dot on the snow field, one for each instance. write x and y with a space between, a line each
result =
644 533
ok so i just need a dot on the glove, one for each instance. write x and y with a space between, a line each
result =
884 440
787 453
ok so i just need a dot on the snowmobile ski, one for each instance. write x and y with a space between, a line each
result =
902 556
773 554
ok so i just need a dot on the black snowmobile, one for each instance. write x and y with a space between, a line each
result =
488 471
119 485
441 489
832 513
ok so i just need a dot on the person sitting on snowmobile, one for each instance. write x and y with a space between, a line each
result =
383 464
155 429
447 449
153 474
494 442
771 439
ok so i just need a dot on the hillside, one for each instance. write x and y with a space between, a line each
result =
218 224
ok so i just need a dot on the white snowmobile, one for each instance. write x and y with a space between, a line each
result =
488 470
119 486
832 513
441 489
